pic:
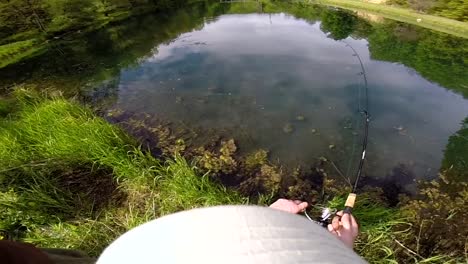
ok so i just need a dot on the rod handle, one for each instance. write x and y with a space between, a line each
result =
347 210
349 204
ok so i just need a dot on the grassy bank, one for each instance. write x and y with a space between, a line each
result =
69 179
441 24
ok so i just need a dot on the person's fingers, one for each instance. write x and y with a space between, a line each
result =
353 222
336 220
302 206
336 223
331 230
355 227
346 221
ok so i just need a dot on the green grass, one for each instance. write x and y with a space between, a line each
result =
377 223
57 131
194 191
179 188
441 24
6 106
14 52
49 146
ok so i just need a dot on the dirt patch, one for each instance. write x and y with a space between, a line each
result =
93 188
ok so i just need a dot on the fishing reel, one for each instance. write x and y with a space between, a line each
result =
329 213
325 218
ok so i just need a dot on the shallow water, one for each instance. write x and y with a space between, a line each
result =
281 83
257 75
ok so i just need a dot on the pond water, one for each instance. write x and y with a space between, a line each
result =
280 81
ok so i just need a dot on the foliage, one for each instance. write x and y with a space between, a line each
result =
52 17
340 24
440 212
421 5
394 235
455 162
24 23
97 57
440 217
406 15
72 63
438 57
14 52
454 9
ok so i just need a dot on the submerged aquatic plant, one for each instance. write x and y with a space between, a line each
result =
220 161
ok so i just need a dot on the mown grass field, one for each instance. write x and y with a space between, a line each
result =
449 26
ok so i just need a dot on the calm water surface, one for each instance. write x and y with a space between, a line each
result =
277 82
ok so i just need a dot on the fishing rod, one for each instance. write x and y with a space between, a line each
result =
327 213
350 201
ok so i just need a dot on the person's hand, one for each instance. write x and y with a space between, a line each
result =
290 206
345 227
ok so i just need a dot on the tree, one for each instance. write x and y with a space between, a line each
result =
438 57
17 16
455 161
338 23
421 5
455 9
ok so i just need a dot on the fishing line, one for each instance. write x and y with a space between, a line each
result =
356 123
364 111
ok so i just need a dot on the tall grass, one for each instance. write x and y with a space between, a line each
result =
179 188
58 132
